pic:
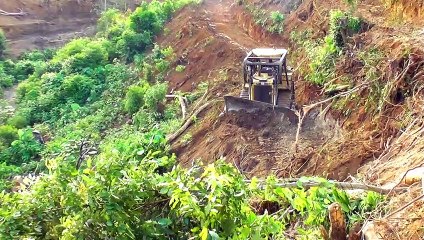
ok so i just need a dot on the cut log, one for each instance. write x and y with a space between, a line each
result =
337 222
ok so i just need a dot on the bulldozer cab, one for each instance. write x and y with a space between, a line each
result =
267 82
266 77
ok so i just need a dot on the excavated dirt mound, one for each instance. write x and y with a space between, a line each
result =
259 144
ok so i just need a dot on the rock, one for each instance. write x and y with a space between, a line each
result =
369 232
414 176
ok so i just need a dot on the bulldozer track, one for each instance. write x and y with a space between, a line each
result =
284 98
244 94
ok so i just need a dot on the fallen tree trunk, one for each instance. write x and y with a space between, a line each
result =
183 104
342 185
189 121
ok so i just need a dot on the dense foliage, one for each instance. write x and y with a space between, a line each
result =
323 54
2 43
90 126
78 92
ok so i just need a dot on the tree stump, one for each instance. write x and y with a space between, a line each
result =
337 222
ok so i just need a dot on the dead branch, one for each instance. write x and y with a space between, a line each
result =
406 206
201 100
189 121
306 109
183 104
291 183
20 13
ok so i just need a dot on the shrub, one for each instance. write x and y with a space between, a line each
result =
107 19
343 25
22 150
143 119
28 90
323 59
77 88
2 43
155 95
18 121
5 79
23 69
145 20
8 134
134 99
132 43
38 55
6 172
277 22
82 53
180 68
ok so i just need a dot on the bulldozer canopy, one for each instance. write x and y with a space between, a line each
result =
269 52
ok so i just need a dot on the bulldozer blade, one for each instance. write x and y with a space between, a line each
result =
235 104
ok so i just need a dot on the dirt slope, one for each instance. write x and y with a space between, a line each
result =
211 40
45 23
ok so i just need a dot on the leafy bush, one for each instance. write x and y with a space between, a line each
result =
23 69
134 99
323 59
132 43
77 88
204 202
8 134
2 43
180 68
82 53
18 121
145 20
343 25
277 22
6 172
108 19
323 54
143 119
154 96
38 55
5 79
22 150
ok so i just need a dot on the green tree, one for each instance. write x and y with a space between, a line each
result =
77 88
143 20
8 134
2 43
134 99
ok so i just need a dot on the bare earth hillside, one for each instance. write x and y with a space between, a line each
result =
211 42
373 135
45 23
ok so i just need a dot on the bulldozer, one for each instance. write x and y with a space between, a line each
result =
267 84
